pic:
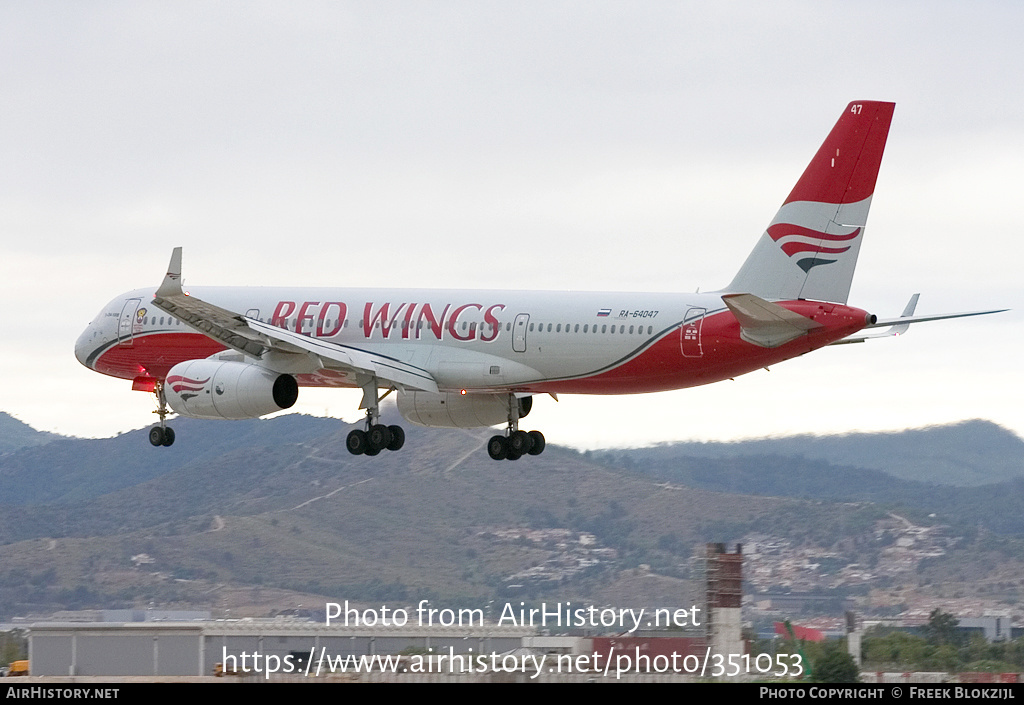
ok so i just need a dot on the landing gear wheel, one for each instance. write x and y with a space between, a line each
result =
520 443
512 455
397 437
161 435
357 442
497 448
379 437
538 443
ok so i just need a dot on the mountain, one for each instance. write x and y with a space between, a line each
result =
15 434
279 504
75 469
968 454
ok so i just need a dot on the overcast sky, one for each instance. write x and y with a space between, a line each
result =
540 145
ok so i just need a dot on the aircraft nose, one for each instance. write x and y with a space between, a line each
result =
82 345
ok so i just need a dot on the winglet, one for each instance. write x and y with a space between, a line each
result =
908 312
171 285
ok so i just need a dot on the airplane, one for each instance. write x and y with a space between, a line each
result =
469 359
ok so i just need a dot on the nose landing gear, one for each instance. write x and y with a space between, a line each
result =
162 435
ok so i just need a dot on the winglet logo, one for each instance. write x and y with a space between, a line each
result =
186 387
798 240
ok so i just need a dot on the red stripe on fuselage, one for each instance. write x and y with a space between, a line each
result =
660 367
663 367
154 354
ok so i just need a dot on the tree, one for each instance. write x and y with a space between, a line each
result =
836 665
942 628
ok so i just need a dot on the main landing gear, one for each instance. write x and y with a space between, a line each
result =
515 443
162 435
377 436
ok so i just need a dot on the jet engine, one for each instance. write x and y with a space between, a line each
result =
453 410
212 389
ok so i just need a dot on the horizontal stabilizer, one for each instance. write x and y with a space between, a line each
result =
766 324
934 317
900 325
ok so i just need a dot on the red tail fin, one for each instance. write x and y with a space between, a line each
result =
846 166
809 251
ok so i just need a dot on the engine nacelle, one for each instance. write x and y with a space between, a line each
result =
452 410
211 389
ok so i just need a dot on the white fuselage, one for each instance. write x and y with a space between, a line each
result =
475 340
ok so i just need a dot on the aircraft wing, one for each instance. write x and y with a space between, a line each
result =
255 338
384 367
899 326
226 327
